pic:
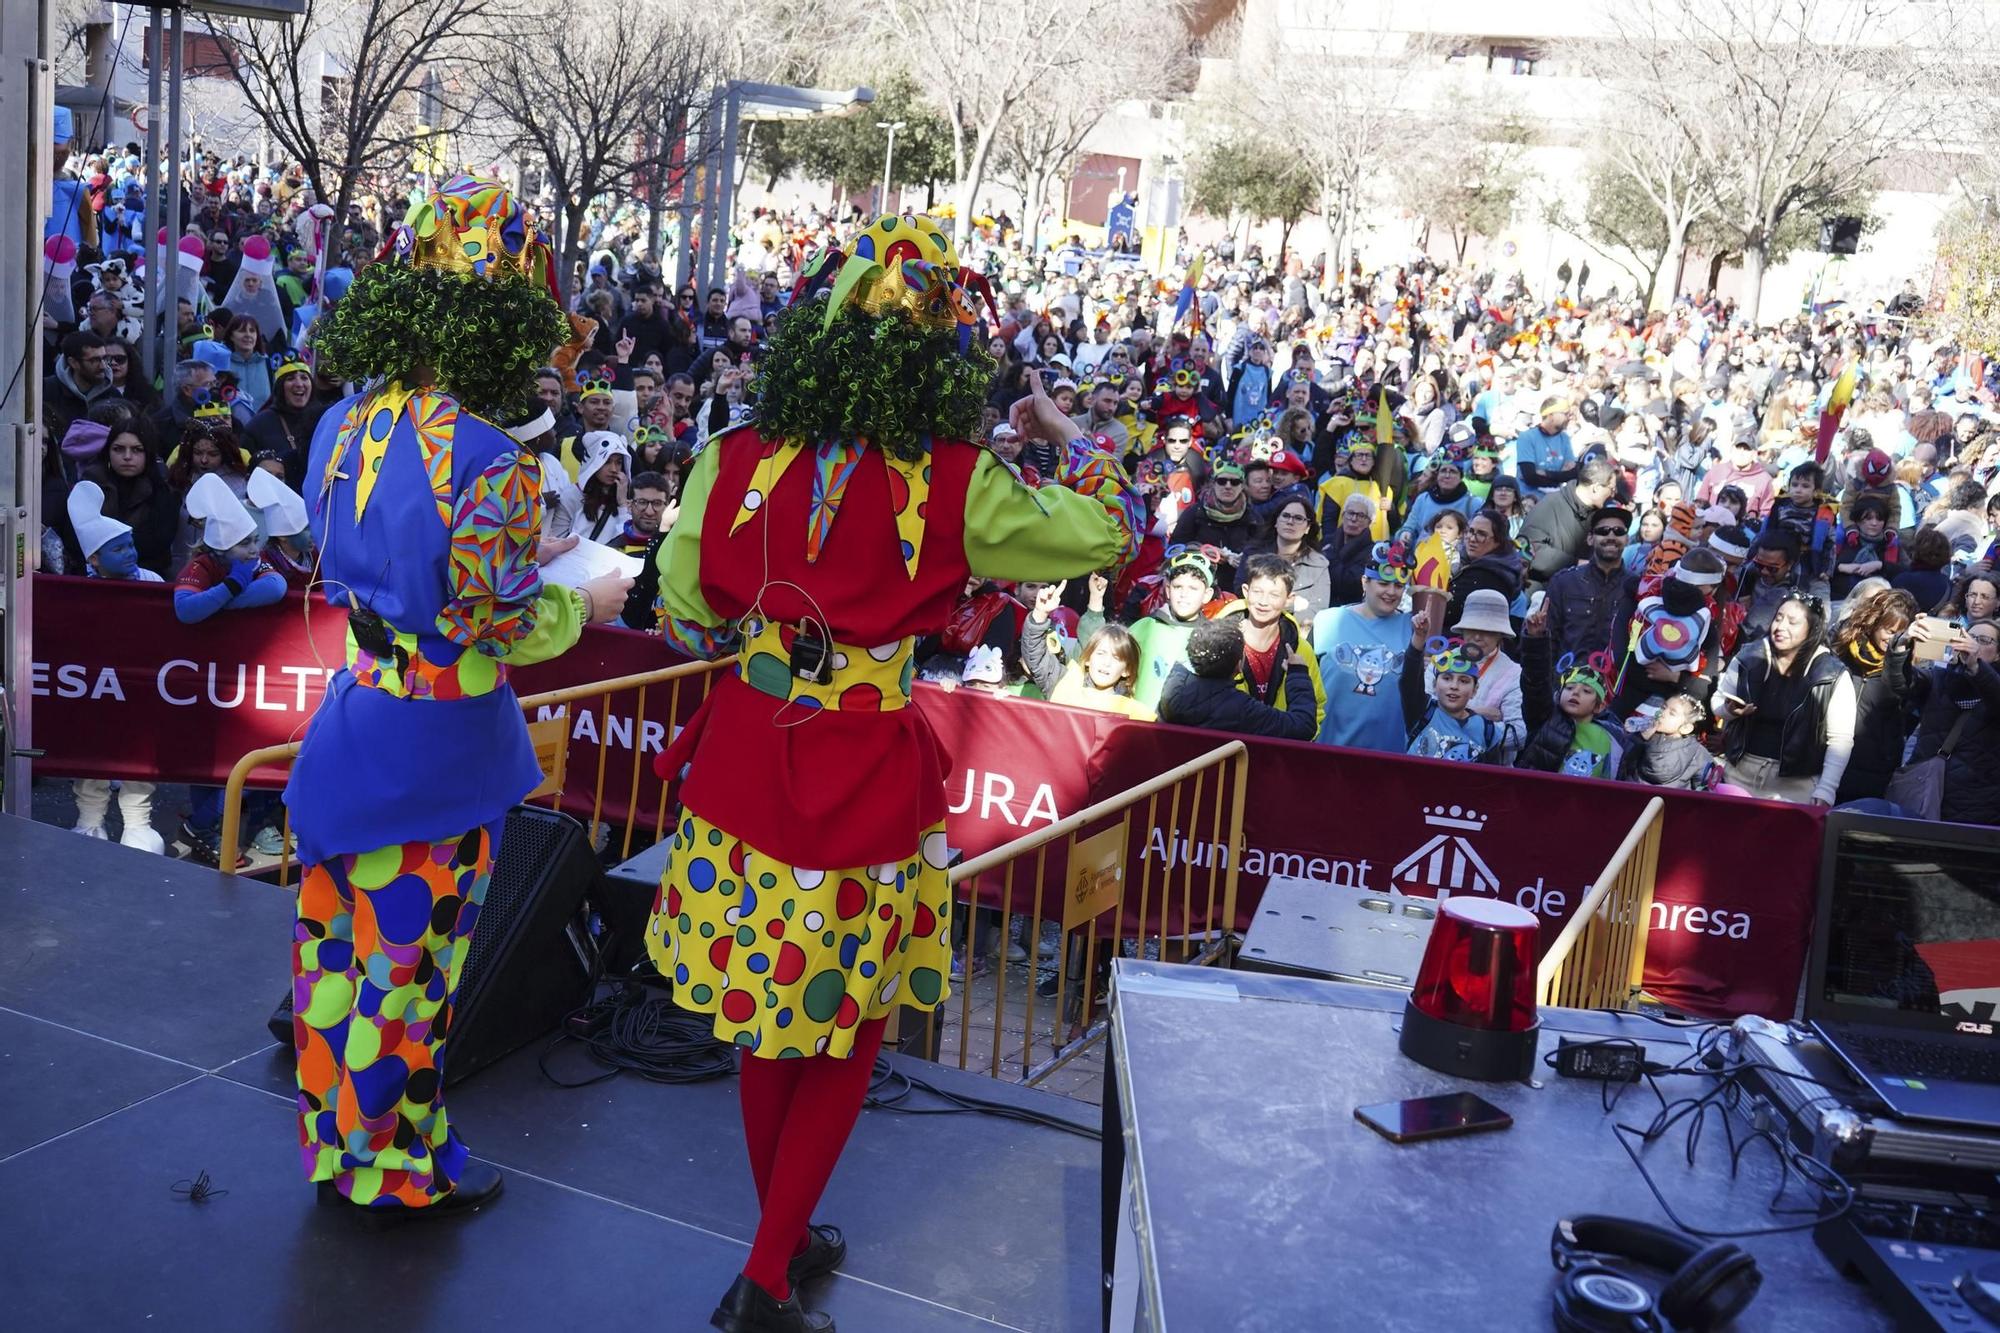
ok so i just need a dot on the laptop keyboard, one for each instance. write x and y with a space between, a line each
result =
1904 1057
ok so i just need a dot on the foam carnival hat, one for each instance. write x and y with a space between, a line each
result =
211 407
899 263
1390 562
1452 657
1592 672
1200 560
287 362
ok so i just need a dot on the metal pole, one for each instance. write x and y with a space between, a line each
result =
171 209
725 195
711 134
27 138
889 159
159 319
691 152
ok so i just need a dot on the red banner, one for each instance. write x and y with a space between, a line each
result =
123 689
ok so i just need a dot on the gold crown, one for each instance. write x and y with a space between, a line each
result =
474 226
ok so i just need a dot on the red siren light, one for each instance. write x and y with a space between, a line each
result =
1472 1012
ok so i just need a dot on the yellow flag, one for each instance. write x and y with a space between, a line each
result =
1385 426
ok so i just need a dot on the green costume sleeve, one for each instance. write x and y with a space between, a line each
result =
688 621
1014 531
560 615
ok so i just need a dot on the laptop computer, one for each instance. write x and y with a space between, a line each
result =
1905 978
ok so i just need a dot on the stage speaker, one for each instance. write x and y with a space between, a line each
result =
624 906
528 962
1840 236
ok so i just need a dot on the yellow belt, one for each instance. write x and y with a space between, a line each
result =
859 680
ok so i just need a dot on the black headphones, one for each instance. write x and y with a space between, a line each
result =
1711 1284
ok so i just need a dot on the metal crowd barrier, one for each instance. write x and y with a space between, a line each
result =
1076 875
549 728
1023 1021
1599 959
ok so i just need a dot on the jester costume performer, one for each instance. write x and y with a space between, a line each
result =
805 894
425 513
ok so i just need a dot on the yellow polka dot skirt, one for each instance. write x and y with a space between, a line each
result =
790 961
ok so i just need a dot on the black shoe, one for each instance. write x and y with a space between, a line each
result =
479 1185
825 1250
748 1308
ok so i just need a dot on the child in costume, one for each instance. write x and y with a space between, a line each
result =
1189 582
1101 673
1564 735
1443 726
805 895
281 514
426 513
110 553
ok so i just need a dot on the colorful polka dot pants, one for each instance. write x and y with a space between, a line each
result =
376 954
791 961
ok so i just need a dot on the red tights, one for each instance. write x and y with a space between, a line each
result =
797 1115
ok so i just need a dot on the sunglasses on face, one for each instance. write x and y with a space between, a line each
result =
1608 532
1227 481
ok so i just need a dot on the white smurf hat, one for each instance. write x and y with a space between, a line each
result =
283 512
224 520
94 528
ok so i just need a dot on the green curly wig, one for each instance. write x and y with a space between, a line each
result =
483 338
882 380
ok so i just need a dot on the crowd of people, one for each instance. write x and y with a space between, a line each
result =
1419 509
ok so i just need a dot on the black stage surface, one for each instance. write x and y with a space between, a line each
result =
133 1056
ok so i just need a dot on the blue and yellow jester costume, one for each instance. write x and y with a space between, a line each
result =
426 514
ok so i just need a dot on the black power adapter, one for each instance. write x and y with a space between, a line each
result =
1617 1061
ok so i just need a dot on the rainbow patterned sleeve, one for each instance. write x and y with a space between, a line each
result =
495 583
1080 467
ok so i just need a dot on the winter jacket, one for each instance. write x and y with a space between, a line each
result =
288 435
63 402
1817 738
1881 702
1197 527
1589 610
1500 571
1202 701
1275 691
1972 770
148 506
1557 534
1425 509
1668 761
1551 732
1347 558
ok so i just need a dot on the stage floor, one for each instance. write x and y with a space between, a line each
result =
133 1057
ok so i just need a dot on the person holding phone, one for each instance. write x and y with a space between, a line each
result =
1962 694
1787 707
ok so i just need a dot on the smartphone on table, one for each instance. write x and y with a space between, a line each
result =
1439 1117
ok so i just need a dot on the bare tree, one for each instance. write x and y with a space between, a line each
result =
342 87
1775 107
1037 148
1348 104
983 63
603 92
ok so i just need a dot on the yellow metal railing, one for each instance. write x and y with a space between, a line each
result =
1599 959
548 727
1095 883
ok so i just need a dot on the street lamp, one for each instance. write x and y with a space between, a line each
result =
889 157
